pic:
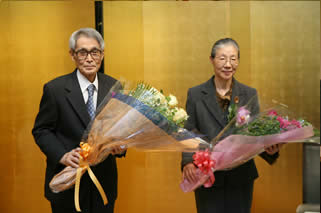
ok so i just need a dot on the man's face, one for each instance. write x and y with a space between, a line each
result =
87 56
225 62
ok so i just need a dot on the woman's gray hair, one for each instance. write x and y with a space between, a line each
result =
221 43
87 32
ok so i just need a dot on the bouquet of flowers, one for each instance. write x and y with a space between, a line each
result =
249 133
142 118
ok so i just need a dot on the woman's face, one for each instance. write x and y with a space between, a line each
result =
225 62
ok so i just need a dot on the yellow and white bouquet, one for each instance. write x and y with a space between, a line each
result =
142 118
165 105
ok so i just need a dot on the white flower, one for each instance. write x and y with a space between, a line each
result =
172 101
159 96
180 115
154 90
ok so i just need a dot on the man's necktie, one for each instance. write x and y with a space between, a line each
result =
90 102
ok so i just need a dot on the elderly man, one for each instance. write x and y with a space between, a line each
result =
67 106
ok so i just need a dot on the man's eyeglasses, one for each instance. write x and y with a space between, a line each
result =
82 54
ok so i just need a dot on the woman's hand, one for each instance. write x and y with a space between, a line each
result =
271 150
189 173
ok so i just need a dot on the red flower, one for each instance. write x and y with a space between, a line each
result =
272 113
296 123
284 123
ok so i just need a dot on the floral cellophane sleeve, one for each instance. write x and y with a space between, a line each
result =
249 133
142 118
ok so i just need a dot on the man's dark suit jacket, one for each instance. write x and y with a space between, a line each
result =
59 127
207 117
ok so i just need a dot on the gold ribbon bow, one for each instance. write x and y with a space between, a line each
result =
83 167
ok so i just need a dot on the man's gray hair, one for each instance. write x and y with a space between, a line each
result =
221 43
87 32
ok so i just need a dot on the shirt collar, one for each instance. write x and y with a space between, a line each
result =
224 101
84 83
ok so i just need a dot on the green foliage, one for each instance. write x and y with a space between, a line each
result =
265 125
316 132
232 111
304 123
140 89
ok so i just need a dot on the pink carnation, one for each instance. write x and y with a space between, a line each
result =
284 123
296 123
272 113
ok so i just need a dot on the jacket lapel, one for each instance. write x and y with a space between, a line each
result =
102 89
210 101
104 85
237 91
76 98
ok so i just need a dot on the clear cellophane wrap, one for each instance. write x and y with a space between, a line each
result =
126 122
236 144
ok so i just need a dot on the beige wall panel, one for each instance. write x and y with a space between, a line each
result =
156 42
6 124
285 56
240 20
123 33
124 59
177 42
34 43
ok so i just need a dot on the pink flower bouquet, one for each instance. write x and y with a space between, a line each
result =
250 134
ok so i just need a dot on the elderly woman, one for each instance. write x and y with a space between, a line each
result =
207 106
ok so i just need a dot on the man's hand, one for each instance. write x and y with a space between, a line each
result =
71 158
118 149
271 150
189 173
